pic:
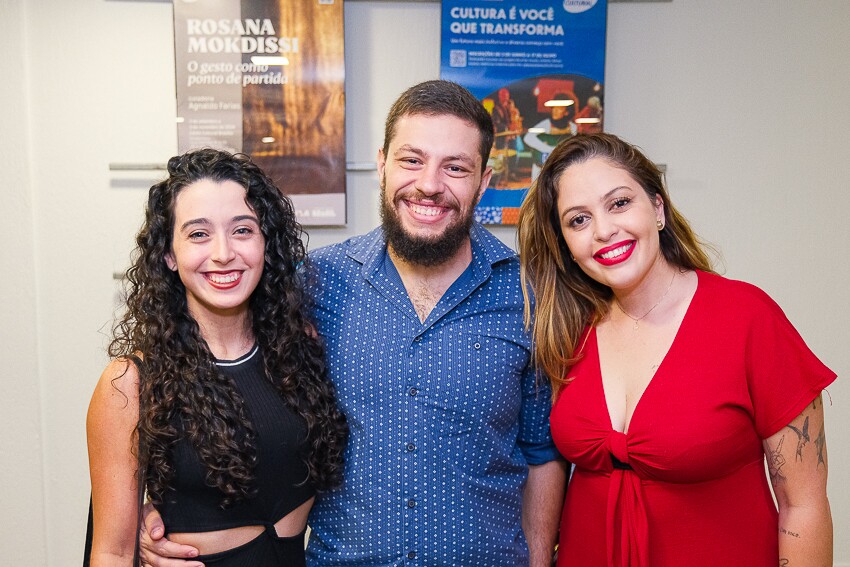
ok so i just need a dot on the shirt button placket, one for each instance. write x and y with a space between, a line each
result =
410 449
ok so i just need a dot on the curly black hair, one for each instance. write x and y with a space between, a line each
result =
178 378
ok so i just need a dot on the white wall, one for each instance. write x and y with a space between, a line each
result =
744 101
21 442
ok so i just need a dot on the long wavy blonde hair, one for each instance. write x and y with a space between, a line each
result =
560 299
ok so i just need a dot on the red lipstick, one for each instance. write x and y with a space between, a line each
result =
616 253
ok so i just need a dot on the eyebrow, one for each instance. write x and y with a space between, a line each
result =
463 157
407 148
189 223
202 221
604 197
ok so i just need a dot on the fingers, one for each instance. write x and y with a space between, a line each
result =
164 553
157 550
151 560
162 562
153 522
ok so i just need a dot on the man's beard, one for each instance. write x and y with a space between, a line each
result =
429 251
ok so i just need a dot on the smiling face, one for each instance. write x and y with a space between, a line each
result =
609 223
217 247
431 180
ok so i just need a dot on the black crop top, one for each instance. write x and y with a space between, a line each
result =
279 476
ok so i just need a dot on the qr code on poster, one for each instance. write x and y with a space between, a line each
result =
457 58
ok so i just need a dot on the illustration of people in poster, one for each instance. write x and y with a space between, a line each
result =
538 67
266 77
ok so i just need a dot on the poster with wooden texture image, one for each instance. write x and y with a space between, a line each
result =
267 78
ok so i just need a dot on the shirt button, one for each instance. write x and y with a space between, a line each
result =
411 447
411 555
413 391
411 503
417 339
476 346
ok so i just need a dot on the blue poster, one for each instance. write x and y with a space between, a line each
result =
538 66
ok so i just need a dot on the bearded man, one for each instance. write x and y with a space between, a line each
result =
449 461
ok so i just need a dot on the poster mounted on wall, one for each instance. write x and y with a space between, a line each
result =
267 78
538 67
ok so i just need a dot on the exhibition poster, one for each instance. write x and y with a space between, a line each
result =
267 78
538 67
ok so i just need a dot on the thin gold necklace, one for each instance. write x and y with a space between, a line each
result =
657 303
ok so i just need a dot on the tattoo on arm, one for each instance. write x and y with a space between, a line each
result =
802 437
775 462
820 443
790 533
784 562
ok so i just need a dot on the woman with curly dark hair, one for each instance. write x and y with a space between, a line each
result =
216 400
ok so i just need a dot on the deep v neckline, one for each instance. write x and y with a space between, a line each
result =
628 424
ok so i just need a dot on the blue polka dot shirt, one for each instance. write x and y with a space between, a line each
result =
445 415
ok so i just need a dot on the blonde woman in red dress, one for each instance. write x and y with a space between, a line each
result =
672 384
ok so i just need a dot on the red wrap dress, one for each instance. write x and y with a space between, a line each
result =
686 484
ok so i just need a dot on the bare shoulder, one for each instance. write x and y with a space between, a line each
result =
117 391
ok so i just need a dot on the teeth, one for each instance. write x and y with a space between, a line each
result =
616 252
221 279
423 210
